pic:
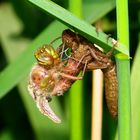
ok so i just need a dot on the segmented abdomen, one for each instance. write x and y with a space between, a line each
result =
111 90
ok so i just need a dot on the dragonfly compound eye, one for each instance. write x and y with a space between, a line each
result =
51 51
46 55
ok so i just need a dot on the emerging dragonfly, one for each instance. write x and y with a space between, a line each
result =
52 75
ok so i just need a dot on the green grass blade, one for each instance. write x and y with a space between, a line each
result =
79 25
123 72
76 96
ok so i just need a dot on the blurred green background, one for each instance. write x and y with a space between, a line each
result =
23 28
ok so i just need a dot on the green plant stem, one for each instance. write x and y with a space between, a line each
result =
76 96
75 6
123 72
124 122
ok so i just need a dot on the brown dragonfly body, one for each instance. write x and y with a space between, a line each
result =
85 51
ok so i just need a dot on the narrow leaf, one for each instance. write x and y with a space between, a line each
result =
79 25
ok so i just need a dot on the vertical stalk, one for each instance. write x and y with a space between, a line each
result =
123 72
75 6
76 97
97 98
